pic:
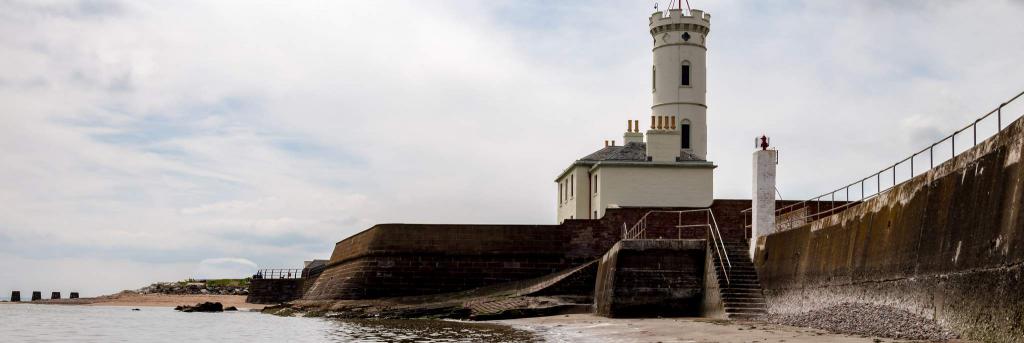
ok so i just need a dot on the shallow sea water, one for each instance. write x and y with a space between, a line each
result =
57 323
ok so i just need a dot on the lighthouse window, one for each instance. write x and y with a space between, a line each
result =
684 77
654 78
685 134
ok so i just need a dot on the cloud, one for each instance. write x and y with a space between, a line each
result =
151 136
225 267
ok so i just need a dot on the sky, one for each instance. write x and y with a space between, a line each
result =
157 141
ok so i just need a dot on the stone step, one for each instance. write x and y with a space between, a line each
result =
738 298
739 272
740 278
741 316
740 285
751 303
733 304
744 310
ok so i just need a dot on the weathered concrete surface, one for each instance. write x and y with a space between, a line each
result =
593 329
947 245
274 291
396 260
567 291
711 305
647 278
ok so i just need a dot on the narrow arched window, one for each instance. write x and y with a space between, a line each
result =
685 134
684 74
654 78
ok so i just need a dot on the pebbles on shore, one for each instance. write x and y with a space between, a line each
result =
191 288
867 319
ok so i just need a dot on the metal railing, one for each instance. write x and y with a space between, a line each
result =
869 187
639 231
278 274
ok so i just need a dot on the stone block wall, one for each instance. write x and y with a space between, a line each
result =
647 278
274 291
390 260
947 245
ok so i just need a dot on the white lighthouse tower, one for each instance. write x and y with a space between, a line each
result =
667 165
679 74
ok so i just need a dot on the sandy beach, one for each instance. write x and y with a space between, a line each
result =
590 328
155 300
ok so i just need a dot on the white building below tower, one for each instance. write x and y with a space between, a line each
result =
669 168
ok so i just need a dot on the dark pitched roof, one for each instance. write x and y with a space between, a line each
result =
630 152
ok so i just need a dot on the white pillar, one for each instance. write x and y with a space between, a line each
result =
764 196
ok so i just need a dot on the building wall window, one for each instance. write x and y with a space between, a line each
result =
595 184
685 134
572 177
684 74
560 192
654 78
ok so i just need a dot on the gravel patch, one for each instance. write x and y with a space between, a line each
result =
869 320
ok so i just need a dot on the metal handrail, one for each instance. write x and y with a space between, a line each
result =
278 274
639 230
847 202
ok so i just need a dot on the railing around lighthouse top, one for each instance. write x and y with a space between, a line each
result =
639 231
840 199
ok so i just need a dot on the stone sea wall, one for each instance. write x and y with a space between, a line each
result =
644 278
391 260
946 245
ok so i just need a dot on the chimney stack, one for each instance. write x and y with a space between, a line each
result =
663 139
633 134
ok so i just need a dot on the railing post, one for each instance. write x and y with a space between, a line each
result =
999 115
974 127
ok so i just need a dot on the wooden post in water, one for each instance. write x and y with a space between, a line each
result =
74 295
55 295
37 295
15 296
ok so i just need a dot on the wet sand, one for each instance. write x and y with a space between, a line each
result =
590 328
155 300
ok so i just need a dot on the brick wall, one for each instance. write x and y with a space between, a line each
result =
390 260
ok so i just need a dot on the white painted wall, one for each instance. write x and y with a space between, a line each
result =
574 204
652 186
670 98
663 145
763 195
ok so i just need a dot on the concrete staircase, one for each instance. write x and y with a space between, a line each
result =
741 297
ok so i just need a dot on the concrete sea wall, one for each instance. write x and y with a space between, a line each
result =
946 245
274 291
645 278
391 260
